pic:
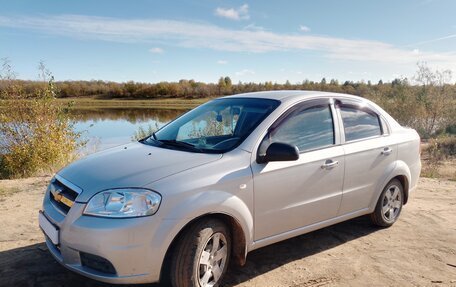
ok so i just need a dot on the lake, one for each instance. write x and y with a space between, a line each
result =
107 127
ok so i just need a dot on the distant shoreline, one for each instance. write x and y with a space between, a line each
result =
169 103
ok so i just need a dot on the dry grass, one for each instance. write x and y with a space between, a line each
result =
175 103
439 159
445 170
90 103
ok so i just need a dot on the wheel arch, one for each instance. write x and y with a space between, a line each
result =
405 185
400 171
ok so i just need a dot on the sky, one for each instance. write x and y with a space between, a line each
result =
249 41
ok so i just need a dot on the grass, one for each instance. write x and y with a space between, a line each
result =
174 103
90 103
439 158
445 169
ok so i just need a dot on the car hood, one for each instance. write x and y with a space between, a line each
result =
132 165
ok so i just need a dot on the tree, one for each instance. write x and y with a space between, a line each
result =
228 85
438 101
228 81
221 86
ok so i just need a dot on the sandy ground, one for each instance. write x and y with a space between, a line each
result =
419 250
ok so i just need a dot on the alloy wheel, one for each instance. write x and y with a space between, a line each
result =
392 203
212 260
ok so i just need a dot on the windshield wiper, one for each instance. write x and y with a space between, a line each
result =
180 144
152 139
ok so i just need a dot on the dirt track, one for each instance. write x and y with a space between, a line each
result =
419 250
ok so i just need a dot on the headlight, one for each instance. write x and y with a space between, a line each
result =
121 203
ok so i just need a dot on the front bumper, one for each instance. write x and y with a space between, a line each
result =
130 245
93 274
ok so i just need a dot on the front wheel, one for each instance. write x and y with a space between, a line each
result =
202 254
389 205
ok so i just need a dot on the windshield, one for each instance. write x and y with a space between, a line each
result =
215 127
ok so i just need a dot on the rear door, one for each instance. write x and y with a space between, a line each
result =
293 194
368 154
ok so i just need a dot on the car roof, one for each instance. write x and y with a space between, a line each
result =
290 95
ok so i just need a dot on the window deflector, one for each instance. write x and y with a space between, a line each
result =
362 106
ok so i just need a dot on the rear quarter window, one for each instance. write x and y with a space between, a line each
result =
359 123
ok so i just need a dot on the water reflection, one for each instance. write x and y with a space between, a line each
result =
108 127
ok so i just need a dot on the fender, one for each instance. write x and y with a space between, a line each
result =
192 209
220 201
398 168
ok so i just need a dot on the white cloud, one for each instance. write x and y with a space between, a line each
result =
254 27
222 62
304 28
245 72
207 36
156 50
241 13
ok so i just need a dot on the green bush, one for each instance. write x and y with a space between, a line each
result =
36 134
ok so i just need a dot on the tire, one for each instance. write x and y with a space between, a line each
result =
198 260
389 204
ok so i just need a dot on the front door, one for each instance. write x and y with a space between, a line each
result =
293 194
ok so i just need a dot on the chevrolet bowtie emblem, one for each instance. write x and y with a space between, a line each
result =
59 197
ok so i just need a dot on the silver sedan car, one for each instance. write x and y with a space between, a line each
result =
228 177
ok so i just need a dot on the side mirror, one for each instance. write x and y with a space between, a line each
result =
279 152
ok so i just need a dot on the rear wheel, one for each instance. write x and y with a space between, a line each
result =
389 204
202 254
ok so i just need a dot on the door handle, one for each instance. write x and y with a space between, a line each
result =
387 151
329 164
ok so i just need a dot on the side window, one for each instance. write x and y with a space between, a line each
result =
359 123
307 129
